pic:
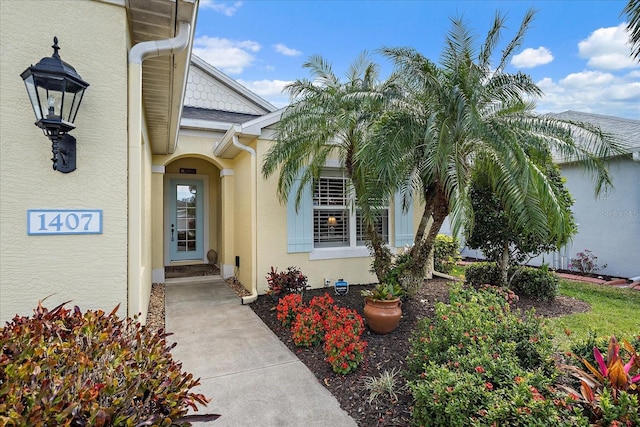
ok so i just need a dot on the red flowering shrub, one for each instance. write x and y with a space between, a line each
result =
343 348
321 319
288 308
307 329
340 317
322 304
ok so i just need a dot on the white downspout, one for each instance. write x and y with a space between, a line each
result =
154 48
254 201
136 275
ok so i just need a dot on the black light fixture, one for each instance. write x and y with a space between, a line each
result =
55 90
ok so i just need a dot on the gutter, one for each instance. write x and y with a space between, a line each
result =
137 265
254 197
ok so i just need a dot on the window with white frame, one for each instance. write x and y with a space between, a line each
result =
336 222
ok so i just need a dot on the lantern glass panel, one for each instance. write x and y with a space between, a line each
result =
74 103
33 97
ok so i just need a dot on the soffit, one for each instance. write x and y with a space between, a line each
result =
163 77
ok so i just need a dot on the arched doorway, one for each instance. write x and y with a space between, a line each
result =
191 211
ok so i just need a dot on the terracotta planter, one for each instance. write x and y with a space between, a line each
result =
382 316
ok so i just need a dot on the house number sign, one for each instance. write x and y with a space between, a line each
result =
62 221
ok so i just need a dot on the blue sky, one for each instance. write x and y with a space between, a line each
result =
575 50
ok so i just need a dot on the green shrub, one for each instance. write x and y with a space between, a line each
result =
537 283
478 363
63 367
482 273
583 349
445 253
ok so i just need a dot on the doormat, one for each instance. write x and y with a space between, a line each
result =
179 271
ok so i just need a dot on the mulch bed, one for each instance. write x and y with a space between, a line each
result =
384 352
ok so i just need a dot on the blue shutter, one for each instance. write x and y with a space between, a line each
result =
403 222
299 224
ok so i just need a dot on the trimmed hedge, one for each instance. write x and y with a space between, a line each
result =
446 253
482 273
536 283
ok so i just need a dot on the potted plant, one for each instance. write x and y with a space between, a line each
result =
382 307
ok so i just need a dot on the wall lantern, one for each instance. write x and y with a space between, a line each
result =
55 90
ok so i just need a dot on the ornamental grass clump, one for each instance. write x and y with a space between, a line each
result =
477 363
63 367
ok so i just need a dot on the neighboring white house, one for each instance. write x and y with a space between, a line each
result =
608 226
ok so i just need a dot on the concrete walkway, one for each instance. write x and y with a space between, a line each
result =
252 378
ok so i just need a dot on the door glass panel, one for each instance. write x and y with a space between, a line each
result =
186 203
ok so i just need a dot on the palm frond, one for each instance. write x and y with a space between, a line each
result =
516 42
632 10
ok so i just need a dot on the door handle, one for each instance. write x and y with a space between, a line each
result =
172 231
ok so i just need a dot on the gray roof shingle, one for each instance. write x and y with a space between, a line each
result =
627 130
216 115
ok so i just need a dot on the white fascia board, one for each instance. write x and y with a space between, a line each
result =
232 83
254 127
223 147
204 124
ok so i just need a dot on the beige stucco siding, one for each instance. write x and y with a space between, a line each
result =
272 243
244 221
90 270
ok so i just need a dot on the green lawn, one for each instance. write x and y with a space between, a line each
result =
613 311
458 271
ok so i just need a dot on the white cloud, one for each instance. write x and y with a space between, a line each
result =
587 79
530 57
231 56
608 49
593 92
286 51
221 7
271 90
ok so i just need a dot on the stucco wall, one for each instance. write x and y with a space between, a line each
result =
244 222
608 226
272 242
90 270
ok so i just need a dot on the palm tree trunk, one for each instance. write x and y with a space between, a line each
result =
435 212
504 265
381 254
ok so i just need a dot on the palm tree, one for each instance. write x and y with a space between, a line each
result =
467 113
632 10
330 118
